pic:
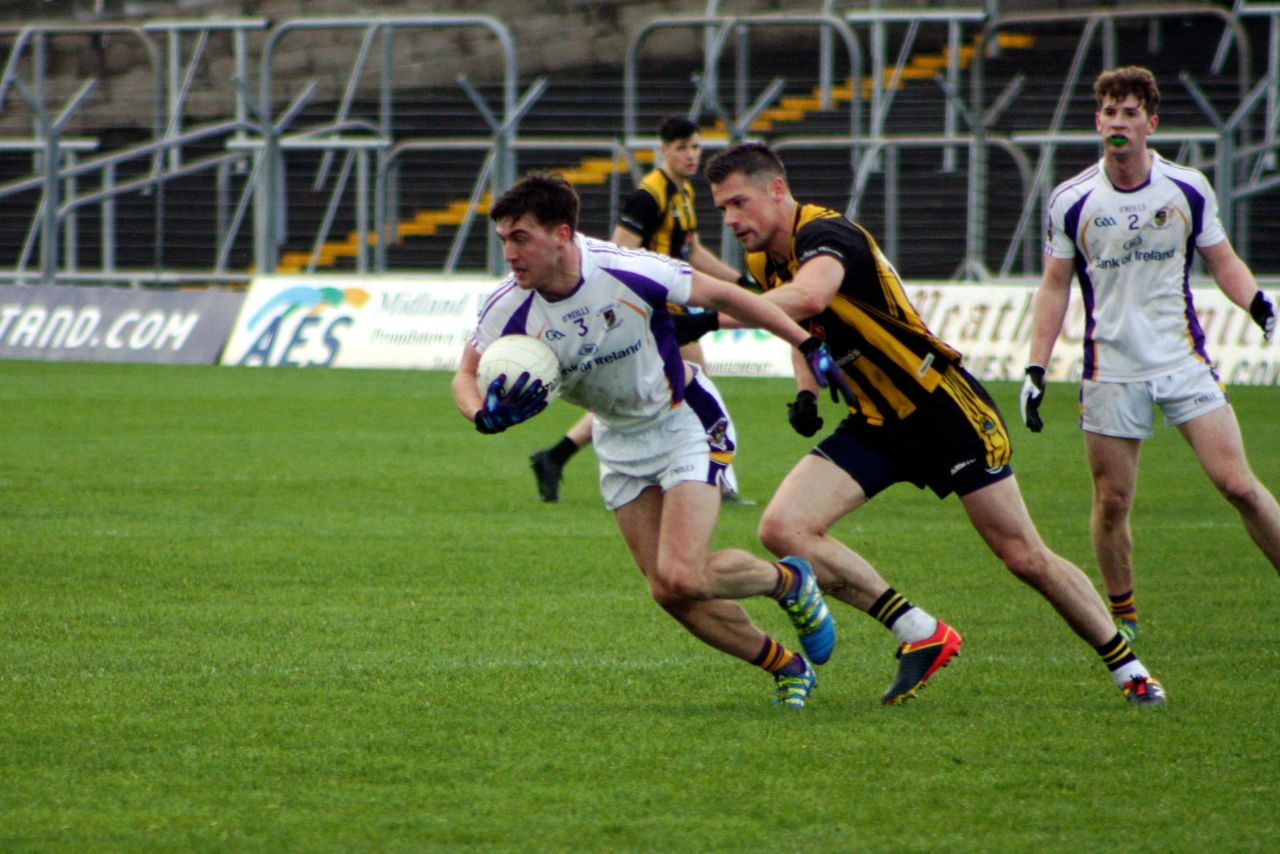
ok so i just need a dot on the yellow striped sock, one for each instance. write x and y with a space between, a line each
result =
1122 607
773 656
786 578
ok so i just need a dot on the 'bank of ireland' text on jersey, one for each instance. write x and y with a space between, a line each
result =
1132 251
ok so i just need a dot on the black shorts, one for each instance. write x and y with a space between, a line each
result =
956 442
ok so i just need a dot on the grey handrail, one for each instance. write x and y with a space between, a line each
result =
503 174
39 32
496 27
894 142
827 22
87 167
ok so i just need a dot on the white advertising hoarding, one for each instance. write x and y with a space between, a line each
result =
356 321
423 322
991 326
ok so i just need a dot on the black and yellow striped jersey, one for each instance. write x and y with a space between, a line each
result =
661 212
892 360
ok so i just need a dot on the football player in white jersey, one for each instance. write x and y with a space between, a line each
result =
659 216
1126 228
660 429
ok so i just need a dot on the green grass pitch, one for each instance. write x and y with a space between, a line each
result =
273 610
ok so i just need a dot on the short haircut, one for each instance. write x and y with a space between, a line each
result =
676 127
1120 83
752 159
546 195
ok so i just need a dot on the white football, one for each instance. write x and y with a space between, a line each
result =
513 355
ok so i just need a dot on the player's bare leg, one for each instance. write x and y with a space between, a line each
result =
798 520
722 624
692 352
1000 516
669 538
813 497
688 515
1215 437
1113 464
580 432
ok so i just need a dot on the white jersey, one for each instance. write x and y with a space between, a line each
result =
1133 251
616 344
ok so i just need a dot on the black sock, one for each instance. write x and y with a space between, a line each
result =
1116 652
562 451
889 607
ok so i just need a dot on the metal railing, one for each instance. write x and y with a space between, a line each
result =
247 159
385 28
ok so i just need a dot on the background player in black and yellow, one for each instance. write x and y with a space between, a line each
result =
917 416
658 216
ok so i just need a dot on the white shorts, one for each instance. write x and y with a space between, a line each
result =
1126 409
694 441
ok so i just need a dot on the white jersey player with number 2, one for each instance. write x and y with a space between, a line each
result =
1133 251
1128 229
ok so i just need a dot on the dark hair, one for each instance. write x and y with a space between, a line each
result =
750 158
1120 83
547 195
676 127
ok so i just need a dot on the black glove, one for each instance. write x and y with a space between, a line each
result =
1263 314
825 369
691 327
803 414
501 411
1029 399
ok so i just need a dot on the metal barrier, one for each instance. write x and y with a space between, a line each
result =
891 145
271 219
718 29
74 181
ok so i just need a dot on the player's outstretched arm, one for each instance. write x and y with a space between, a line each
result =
749 310
758 312
1236 280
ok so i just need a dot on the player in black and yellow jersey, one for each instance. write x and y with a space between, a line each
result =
916 415
659 216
